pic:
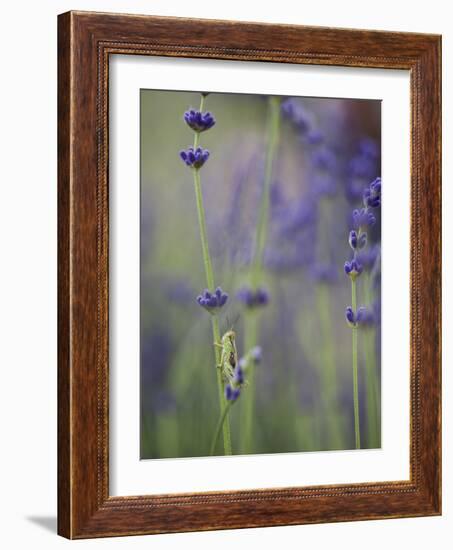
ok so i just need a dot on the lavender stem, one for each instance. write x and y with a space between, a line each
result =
210 283
355 368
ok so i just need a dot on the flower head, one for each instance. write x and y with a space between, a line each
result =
362 317
198 121
372 194
195 158
357 241
363 218
253 298
212 302
231 393
353 268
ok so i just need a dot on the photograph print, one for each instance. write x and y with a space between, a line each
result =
260 263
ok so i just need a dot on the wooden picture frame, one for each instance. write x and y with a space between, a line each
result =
85 42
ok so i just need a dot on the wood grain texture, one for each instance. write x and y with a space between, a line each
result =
86 40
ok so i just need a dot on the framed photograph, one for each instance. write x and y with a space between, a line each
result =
249 275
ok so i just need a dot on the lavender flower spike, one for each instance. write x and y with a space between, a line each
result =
198 121
195 158
212 301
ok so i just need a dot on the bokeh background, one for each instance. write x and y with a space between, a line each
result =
328 151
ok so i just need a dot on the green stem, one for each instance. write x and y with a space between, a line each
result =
220 424
210 283
203 231
355 368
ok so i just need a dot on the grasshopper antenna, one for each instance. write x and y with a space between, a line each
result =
236 319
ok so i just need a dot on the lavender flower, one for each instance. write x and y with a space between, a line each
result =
253 298
198 121
353 268
361 317
212 302
372 194
357 241
231 393
195 158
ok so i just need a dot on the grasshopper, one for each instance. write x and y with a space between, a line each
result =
228 356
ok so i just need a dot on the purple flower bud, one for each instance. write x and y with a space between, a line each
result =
198 121
194 158
372 194
353 239
353 268
363 317
350 316
212 302
232 394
